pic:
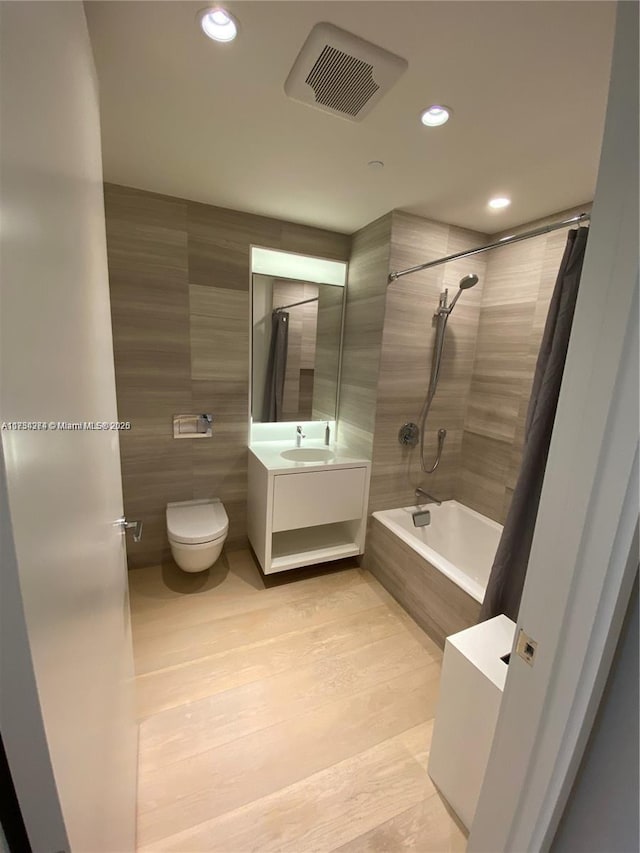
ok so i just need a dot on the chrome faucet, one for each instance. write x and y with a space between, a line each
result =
299 436
430 498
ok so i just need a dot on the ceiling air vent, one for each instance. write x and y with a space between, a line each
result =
342 74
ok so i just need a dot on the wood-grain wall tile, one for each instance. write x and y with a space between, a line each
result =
219 348
438 605
179 278
519 283
364 320
220 241
146 234
406 357
315 241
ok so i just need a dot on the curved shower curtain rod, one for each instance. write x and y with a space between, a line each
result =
544 229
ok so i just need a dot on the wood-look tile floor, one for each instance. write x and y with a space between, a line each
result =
288 715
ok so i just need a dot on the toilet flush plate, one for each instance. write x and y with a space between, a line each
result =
193 426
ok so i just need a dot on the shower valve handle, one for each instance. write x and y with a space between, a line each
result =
408 434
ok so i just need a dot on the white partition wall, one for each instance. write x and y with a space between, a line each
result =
72 747
584 555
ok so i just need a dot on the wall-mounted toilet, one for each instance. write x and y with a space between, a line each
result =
196 530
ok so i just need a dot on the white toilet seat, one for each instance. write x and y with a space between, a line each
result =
196 522
196 531
204 542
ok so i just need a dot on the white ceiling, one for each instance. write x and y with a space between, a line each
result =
189 117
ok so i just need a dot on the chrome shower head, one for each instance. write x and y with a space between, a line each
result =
465 283
468 281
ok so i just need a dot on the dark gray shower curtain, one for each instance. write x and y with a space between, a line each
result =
506 581
276 368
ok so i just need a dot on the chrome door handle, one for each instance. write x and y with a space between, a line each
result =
136 526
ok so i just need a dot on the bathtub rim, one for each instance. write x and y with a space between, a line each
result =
446 567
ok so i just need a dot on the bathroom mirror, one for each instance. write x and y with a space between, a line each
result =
297 332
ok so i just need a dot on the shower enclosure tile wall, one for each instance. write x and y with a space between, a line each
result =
489 357
515 300
364 320
406 352
179 279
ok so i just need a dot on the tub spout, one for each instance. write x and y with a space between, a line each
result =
421 518
420 493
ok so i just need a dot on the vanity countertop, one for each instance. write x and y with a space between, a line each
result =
269 454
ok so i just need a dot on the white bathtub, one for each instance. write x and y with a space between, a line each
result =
459 542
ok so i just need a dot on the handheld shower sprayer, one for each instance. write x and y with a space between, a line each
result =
410 433
441 316
467 281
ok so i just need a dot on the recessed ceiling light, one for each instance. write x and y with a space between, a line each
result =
435 115
218 24
499 202
375 164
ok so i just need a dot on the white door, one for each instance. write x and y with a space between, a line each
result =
63 485
584 555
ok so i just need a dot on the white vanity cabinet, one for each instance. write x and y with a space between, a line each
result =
303 513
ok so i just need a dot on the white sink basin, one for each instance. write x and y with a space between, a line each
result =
308 454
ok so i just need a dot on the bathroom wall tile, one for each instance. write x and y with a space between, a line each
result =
364 319
388 561
151 346
179 278
309 314
520 281
286 293
219 348
305 402
147 255
514 273
219 464
416 240
478 451
397 470
146 234
439 606
315 241
355 437
223 474
220 241
148 252
461 240
503 338
479 492
228 402
405 363
291 394
492 415
153 549
144 208
483 473
149 315
156 470
327 361
219 333
218 302
518 442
